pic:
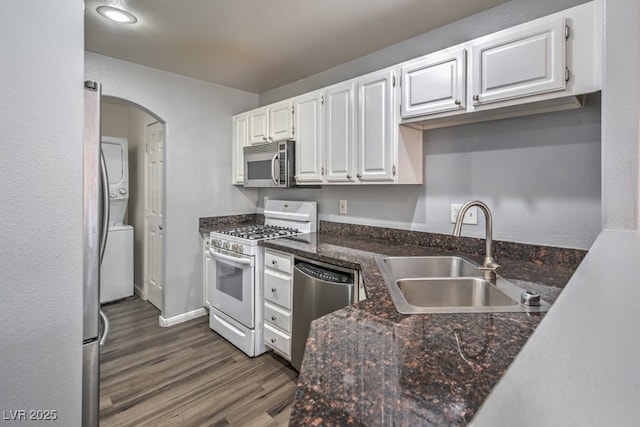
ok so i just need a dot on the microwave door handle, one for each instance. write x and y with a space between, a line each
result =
275 177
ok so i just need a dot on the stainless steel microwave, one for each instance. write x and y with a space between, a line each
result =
270 165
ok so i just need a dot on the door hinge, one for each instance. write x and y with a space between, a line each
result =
293 109
322 100
567 73
393 81
393 170
293 130
322 171
567 31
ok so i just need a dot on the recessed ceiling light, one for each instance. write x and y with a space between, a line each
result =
118 15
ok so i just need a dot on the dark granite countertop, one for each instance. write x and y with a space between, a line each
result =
369 365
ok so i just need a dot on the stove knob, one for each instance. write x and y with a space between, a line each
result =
234 247
240 248
216 243
226 245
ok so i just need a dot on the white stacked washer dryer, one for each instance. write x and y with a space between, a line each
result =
116 272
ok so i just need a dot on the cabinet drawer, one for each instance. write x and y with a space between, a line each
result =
278 341
278 261
277 288
277 317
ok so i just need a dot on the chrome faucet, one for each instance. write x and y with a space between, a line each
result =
489 266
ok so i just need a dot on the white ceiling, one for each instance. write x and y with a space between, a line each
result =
257 45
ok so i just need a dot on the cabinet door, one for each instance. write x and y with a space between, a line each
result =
517 63
259 126
375 146
340 134
240 140
281 121
308 128
434 84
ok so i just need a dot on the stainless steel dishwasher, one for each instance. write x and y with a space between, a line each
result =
318 289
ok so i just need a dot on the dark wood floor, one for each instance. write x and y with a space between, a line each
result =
186 375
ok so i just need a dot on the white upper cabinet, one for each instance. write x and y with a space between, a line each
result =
259 126
240 140
536 67
271 123
434 83
281 120
375 145
521 62
340 132
308 137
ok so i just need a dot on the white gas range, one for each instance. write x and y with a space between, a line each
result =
235 285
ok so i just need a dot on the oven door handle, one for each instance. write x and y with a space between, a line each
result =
273 165
236 260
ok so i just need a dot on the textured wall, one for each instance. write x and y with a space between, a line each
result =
41 119
197 166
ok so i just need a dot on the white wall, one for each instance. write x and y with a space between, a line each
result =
41 119
197 161
620 113
540 175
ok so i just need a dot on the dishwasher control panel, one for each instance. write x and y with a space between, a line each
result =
325 274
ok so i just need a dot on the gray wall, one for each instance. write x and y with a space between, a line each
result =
197 167
540 174
41 116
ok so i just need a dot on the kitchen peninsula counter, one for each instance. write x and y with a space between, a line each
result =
369 365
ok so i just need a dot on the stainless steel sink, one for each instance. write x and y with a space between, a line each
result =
434 266
453 292
449 284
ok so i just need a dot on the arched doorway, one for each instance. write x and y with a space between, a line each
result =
144 132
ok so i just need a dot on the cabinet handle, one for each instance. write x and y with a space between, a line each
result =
273 340
274 262
348 176
476 98
458 102
270 138
273 318
359 176
273 290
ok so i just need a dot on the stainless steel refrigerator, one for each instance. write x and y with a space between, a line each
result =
95 223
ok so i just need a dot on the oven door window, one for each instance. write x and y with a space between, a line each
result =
232 290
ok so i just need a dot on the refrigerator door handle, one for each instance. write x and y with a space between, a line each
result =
105 328
105 205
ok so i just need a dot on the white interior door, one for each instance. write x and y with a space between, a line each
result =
153 208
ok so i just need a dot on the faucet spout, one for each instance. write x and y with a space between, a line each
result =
489 266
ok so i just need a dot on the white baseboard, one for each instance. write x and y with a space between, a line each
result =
139 290
182 317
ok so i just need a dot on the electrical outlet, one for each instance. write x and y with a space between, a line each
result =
470 217
343 206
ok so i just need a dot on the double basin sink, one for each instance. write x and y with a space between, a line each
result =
449 284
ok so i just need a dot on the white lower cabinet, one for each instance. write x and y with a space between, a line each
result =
278 301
